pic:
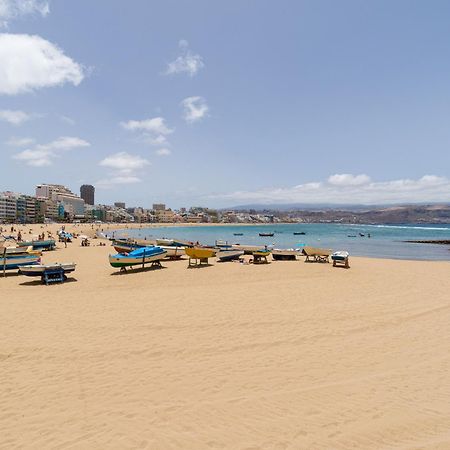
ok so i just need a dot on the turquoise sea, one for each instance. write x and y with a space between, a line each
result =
385 240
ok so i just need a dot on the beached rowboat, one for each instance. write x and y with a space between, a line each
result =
229 255
144 255
39 269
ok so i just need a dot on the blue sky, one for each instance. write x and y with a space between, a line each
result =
226 103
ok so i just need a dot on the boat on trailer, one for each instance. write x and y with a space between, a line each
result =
39 269
140 256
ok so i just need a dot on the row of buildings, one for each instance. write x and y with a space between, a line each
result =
57 203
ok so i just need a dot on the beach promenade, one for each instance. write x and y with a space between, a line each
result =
280 356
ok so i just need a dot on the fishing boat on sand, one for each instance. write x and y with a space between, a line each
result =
46 244
38 270
17 260
140 256
229 255
285 254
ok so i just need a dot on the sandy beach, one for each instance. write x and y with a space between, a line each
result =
280 356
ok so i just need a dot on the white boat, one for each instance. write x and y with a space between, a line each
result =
164 241
172 251
143 255
229 255
39 269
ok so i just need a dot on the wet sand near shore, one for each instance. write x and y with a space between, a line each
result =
280 356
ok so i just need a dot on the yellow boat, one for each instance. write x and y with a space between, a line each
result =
261 253
200 252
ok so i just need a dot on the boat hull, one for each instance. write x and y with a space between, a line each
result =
17 261
39 269
48 244
130 260
229 255
200 253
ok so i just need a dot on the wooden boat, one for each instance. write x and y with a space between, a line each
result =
200 252
238 234
174 242
266 234
173 251
261 253
164 241
143 255
248 249
229 255
39 269
46 244
222 245
260 256
18 250
284 254
125 246
15 261
299 233
199 255
340 258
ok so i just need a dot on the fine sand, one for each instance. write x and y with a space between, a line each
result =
280 356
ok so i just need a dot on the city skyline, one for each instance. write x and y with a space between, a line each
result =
227 104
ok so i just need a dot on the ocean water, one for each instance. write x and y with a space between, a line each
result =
385 240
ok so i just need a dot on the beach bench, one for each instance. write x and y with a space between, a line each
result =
314 254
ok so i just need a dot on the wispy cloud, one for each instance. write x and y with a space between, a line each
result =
194 109
347 188
153 131
67 120
155 126
125 168
163 152
187 62
19 142
30 62
43 155
12 9
14 117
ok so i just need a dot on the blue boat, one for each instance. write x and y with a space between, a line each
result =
15 261
47 244
143 255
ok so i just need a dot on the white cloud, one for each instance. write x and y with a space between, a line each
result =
157 141
187 62
124 166
44 154
19 142
14 117
124 162
155 126
11 9
30 62
163 152
347 179
347 188
195 108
